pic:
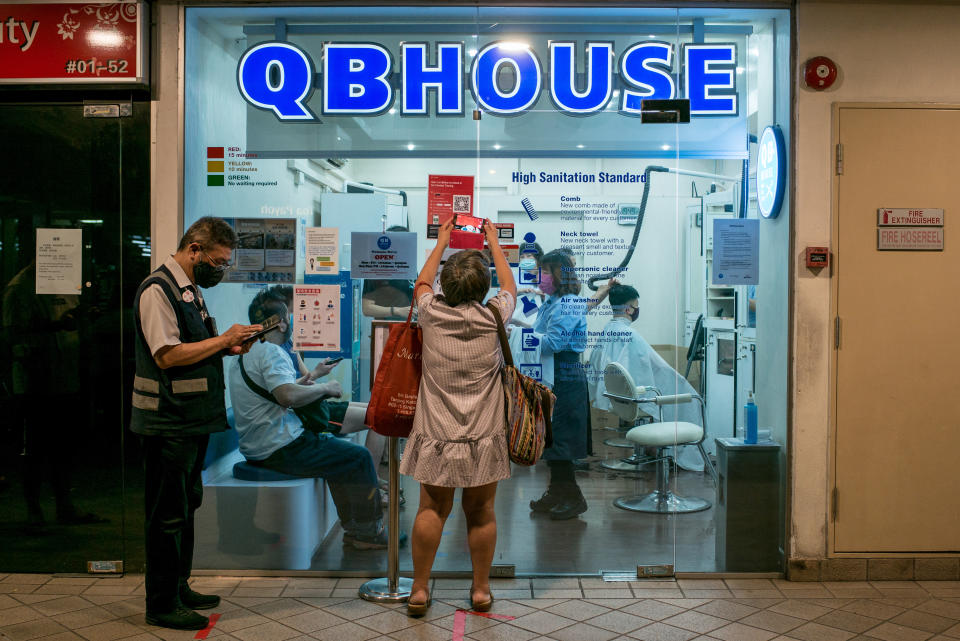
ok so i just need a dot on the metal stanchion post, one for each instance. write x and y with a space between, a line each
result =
392 588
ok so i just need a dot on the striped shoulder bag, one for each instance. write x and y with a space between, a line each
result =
528 405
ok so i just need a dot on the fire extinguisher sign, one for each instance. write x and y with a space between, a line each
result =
888 217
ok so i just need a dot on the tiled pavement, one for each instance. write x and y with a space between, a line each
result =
55 608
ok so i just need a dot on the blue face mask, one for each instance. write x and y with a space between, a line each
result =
528 264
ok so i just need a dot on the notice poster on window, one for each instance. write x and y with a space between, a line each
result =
322 250
266 250
316 318
446 197
59 261
387 255
736 251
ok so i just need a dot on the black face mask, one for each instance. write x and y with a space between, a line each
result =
635 314
206 275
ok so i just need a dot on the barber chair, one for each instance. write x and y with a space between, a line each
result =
626 398
638 458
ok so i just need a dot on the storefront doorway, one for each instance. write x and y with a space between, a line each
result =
74 222
535 115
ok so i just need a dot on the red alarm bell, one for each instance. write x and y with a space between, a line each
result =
819 73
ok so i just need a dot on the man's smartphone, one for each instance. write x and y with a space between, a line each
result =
333 361
269 325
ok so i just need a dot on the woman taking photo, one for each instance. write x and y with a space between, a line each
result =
562 329
459 432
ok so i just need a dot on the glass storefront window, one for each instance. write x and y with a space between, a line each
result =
548 122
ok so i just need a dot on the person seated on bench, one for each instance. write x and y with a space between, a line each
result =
620 343
376 443
272 436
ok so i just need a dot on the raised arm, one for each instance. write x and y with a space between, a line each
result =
504 274
429 272
601 293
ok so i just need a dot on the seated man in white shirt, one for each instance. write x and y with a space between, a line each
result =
272 436
621 343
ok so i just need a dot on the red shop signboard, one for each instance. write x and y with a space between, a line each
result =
72 42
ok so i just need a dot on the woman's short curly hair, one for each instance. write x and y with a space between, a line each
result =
465 277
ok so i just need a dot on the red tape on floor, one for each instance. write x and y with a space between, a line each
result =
202 634
460 621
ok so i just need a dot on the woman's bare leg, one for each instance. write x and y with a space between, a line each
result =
435 505
478 505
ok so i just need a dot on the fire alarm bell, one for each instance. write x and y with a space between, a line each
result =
818 257
819 73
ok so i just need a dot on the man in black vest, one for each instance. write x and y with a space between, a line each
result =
178 401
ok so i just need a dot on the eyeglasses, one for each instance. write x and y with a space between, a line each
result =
220 267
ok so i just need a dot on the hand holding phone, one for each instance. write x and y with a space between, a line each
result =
268 326
237 335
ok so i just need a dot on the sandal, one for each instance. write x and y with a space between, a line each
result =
480 606
418 609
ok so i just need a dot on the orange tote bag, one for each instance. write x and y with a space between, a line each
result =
393 399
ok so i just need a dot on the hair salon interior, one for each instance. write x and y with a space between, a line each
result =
771 178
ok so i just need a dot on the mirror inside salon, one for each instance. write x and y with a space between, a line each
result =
617 151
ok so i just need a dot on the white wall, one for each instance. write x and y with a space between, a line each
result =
904 52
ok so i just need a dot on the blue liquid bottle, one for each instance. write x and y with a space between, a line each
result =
750 420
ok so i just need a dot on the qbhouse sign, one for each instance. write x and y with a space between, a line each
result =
360 79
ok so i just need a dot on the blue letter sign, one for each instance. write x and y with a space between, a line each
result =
277 76
646 67
527 77
355 79
708 79
563 77
446 77
506 78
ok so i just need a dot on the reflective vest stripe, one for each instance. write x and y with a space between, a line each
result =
148 385
189 386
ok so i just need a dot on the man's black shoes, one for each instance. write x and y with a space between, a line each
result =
546 502
568 509
197 601
180 619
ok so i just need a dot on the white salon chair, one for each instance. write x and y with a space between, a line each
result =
638 458
626 399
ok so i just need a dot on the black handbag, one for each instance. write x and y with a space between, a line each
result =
316 416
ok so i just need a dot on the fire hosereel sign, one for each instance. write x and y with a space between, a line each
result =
919 229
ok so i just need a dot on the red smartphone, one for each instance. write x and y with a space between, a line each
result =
472 224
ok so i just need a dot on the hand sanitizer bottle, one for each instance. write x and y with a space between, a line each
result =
750 420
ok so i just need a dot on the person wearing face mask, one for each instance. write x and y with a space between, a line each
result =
177 403
278 300
619 342
561 332
527 285
264 391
